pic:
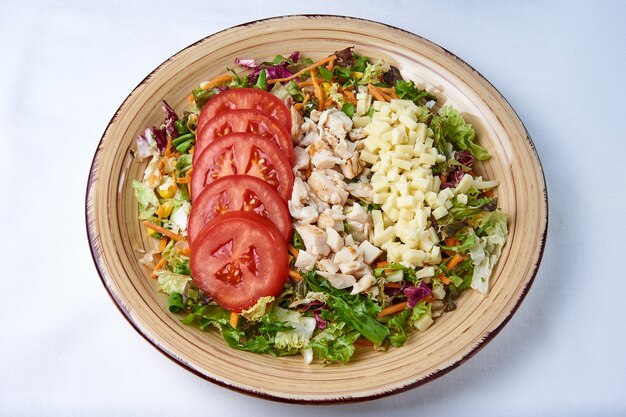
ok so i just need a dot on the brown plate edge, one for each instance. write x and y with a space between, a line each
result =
96 253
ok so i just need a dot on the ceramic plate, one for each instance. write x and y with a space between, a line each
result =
116 236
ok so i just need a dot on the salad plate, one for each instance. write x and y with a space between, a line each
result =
117 238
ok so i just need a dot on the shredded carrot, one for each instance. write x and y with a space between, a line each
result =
454 261
186 179
185 251
363 343
305 84
162 243
306 100
443 178
394 94
444 279
488 193
393 285
392 309
382 264
192 150
168 148
293 251
350 98
295 275
452 241
217 81
163 231
318 92
331 66
234 319
190 98
428 299
303 70
378 95
158 266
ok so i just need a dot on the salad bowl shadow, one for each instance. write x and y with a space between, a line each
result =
117 238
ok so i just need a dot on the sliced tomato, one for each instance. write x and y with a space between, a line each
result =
238 192
239 257
242 153
245 98
245 120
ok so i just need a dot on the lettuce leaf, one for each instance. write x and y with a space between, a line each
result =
147 199
449 126
170 282
335 343
487 249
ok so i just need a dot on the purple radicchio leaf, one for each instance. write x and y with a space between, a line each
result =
464 158
457 176
294 56
145 144
160 137
246 63
415 294
171 118
321 323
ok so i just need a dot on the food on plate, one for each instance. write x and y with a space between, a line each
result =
316 207
242 153
239 193
245 121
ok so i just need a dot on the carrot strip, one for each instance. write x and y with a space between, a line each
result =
382 264
185 251
378 95
158 266
394 94
392 309
452 241
363 343
393 285
318 92
217 81
303 70
234 319
293 251
305 84
162 244
444 279
454 261
350 97
428 299
306 100
331 66
163 231
295 275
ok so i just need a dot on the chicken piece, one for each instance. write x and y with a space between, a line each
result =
339 281
335 122
314 239
326 188
370 252
357 213
344 149
348 240
299 197
358 134
315 115
361 190
333 240
346 254
310 138
296 125
321 156
351 167
350 267
363 284
362 271
305 261
327 265
302 159
358 230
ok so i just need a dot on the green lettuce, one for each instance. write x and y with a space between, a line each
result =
297 338
147 199
487 249
407 90
335 343
449 126
170 282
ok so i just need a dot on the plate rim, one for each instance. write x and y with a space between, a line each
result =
97 253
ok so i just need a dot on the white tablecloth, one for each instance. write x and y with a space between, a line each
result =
65 68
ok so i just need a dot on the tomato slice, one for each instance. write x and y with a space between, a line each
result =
238 192
245 120
245 98
239 257
242 153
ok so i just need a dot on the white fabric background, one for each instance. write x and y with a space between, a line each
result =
65 68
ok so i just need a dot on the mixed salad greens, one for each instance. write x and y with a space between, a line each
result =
310 316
